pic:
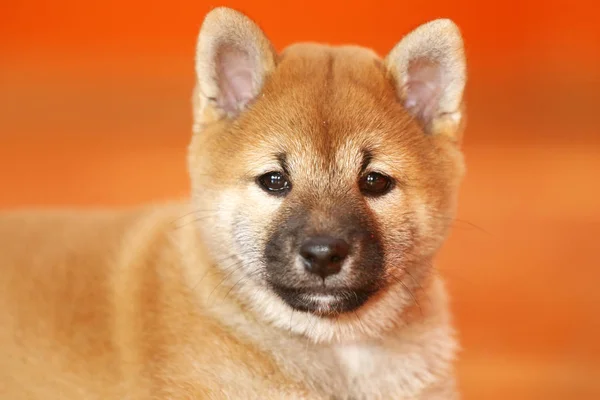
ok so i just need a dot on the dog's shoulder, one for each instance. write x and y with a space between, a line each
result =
58 293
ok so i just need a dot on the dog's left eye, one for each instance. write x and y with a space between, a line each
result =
375 184
275 183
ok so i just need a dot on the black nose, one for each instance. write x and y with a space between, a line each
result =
324 255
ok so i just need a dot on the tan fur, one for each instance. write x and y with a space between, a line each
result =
165 301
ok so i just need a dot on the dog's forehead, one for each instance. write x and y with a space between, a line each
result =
320 99
323 109
324 74
329 62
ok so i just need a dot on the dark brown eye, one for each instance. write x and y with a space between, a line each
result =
275 183
375 184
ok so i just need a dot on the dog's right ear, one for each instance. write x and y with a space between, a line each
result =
233 57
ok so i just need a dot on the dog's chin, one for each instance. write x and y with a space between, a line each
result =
323 302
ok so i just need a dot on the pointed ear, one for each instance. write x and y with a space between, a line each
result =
233 57
429 69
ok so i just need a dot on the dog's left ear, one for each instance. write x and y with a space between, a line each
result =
429 70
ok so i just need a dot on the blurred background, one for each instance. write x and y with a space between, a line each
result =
95 111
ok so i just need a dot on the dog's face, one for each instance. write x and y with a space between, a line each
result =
324 178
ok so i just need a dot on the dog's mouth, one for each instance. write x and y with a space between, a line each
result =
323 301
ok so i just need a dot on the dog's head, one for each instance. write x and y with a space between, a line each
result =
325 178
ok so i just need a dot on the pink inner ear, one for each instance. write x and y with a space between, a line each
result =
423 88
235 73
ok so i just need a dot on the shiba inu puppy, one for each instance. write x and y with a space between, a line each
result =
324 181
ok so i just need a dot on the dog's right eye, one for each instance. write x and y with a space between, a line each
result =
275 183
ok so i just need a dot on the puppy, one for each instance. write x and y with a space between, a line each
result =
324 181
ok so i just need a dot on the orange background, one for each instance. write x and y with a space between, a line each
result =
95 110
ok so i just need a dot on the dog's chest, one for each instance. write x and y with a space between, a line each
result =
374 371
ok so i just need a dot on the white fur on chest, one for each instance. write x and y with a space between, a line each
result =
403 367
